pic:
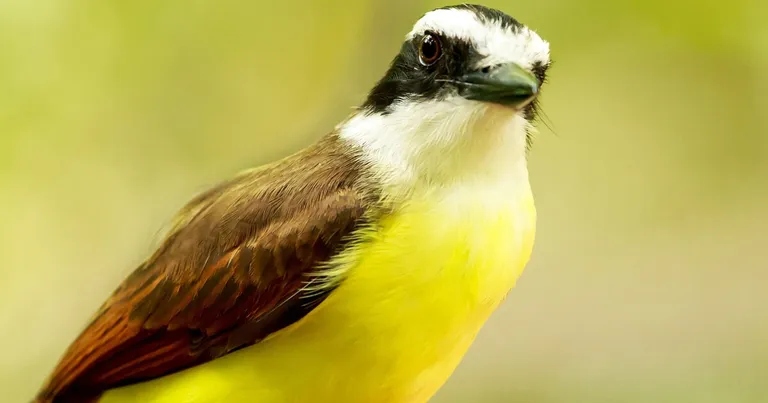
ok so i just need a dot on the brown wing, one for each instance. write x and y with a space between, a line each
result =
231 272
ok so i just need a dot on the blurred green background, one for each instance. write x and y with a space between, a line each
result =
649 280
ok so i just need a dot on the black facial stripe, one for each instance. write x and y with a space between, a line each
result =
407 77
539 69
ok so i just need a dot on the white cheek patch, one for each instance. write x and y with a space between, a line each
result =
522 46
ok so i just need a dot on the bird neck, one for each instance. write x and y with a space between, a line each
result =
441 144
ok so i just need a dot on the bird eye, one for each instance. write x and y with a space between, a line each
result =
430 49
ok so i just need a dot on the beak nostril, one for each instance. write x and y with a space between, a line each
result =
506 84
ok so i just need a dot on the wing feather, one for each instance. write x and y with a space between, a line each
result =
230 273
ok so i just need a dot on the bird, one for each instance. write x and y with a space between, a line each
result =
358 269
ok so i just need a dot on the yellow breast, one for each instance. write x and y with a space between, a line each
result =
416 294
429 281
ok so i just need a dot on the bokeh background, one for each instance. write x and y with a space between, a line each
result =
649 280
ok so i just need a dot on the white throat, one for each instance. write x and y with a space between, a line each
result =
446 143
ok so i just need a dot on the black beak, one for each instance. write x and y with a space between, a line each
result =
505 84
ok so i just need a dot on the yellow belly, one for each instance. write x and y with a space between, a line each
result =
416 294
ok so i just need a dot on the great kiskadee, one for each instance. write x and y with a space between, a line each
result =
359 269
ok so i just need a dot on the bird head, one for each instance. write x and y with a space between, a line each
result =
457 101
